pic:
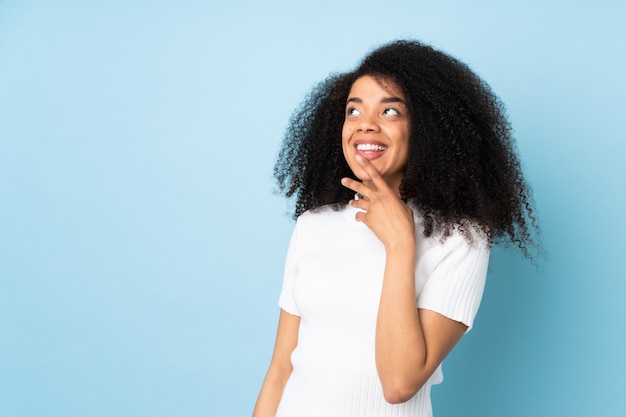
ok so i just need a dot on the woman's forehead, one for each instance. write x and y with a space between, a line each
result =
384 82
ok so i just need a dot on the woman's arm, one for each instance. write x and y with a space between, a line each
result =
280 367
410 343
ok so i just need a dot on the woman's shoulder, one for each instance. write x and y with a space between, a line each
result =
322 213
462 233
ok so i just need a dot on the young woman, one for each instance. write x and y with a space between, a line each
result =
404 173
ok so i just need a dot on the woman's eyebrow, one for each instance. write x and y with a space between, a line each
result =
392 100
383 100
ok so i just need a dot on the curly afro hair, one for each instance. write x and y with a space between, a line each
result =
462 171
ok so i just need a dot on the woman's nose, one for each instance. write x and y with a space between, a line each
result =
368 124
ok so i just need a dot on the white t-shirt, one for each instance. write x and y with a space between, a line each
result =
333 280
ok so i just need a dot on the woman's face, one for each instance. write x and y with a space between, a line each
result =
376 126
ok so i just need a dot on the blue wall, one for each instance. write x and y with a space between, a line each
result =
141 248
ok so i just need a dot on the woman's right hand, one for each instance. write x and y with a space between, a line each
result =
384 213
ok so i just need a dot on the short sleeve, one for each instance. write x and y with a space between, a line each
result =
455 271
286 300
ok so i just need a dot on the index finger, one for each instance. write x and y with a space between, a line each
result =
372 172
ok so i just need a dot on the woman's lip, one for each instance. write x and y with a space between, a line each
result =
370 155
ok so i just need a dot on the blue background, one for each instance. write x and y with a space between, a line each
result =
141 248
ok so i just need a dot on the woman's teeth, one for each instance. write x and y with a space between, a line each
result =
370 147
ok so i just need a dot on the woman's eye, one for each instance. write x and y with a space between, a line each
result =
390 111
352 111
